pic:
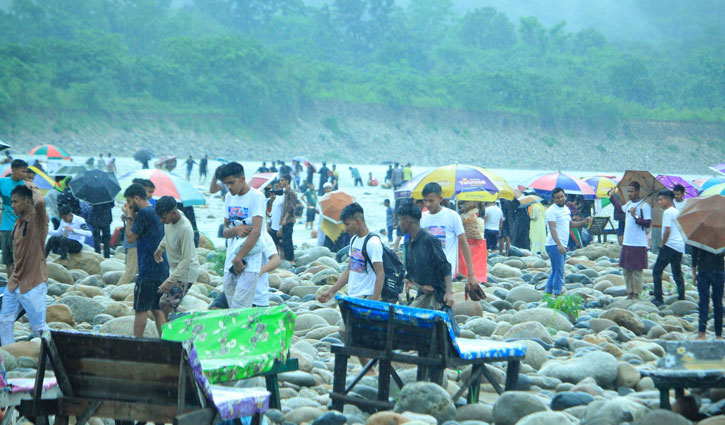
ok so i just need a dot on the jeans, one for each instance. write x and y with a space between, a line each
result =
287 245
491 237
705 281
102 234
390 233
32 301
669 256
63 246
556 278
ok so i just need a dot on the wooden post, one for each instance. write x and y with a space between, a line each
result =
338 380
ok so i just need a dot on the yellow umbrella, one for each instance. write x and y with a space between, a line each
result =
601 185
463 182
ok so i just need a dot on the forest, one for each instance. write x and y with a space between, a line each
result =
265 61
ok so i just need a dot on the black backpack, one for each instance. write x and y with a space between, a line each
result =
393 269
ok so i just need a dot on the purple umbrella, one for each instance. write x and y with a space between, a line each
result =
671 181
719 168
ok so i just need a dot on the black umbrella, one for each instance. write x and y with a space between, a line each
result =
143 155
95 187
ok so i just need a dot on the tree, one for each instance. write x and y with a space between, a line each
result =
487 28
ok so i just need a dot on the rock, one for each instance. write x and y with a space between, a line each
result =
627 375
523 293
661 417
325 277
596 364
645 384
57 289
386 418
78 275
59 273
546 418
567 399
545 316
303 258
101 319
332 316
309 321
514 405
427 398
90 281
475 412
274 281
599 324
84 309
59 313
204 277
289 283
89 291
124 326
717 420
304 414
112 277
503 271
624 318
529 330
468 308
536 355
8 360
319 333
604 412
121 292
682 307
480 326
616 291
118 309
23 349
111 265
330 418
303 291
90 262
299 378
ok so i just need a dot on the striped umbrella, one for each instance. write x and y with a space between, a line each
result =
166 184
261 180
50 151
712 181
720 168
544 184
718 189
671 181
41 180
464 182
601 185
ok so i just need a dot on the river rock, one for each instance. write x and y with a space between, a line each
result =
112 277
627 375
91 280
303 258
204 277
475 412
529 330
504 272
599 324
331 315
304 414
624 318
23 349
101 319
596 364
121 292
90 262
545 316
309 321
468 308
59 313
682 307
523 293
319 333
480 326
511 406
567 399
427 398
661 417
59 273
111 265
536 355
118 309
325 277
299 378
84 309
386 418
546 418
89 291
330 418
124 326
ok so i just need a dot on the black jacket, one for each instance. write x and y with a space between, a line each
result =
426 263
101 215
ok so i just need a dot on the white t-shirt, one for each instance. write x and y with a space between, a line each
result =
361 281
562 217
675 241
679 204
261 293
493 216
276 213
240 209
446 225
634 234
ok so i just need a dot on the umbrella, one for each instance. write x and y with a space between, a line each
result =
4 146
300 159
143 155
261 180
601 185
331 204
527 200
43 181
702 223
712 181
69 170
671 181
95 187
720 168
649 187
718 189
50 151
166 184
464 182
544 184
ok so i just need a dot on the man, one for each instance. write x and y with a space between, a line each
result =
493 221
446 225
619 216
388 174
275 217
144 228
708 271
287 222
633 258
326 188
324 176
244 216
69 236
101 163
131 249
507 208
680 201
284 169
407 172
27 282
364 279
671 248
272 167
18 169
178 242
149 187
203 168
397 176
263 168
558 220
189 166
310 201
356 176
270 261
100 221
335 177
389 219
111 165
425 262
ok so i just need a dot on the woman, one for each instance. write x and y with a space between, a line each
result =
537 231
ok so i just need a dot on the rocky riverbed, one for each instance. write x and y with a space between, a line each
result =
578 370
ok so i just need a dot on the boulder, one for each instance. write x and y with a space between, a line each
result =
124 326
475 412
118 309
386 418
309 321
529 330
325 277
523 293
599 365
536 355
59 313
112 277
299 378
304 414
59 273
90 262
624 318
332 316
468 308
91 280
23 349
427 398
627 375
599 324
111 265
305 257
682 307
204 277
549 318
89 291
547 418
661 417
121 292
84 309
511 406
567 399
480 326
504 272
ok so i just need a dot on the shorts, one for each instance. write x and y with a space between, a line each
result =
620 228
311 214
505 232
146 295
172 299
6 244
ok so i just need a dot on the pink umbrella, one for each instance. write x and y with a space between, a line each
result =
262 180
671 181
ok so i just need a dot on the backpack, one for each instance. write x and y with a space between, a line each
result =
393 269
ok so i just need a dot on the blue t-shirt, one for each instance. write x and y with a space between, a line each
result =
389 217
7 184
150 231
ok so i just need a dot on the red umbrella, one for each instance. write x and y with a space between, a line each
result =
261 180
50 151
331 204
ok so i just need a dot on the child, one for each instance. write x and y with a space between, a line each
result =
389 220
310 200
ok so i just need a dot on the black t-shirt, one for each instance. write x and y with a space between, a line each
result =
707 261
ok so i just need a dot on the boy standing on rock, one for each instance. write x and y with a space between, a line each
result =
145 228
